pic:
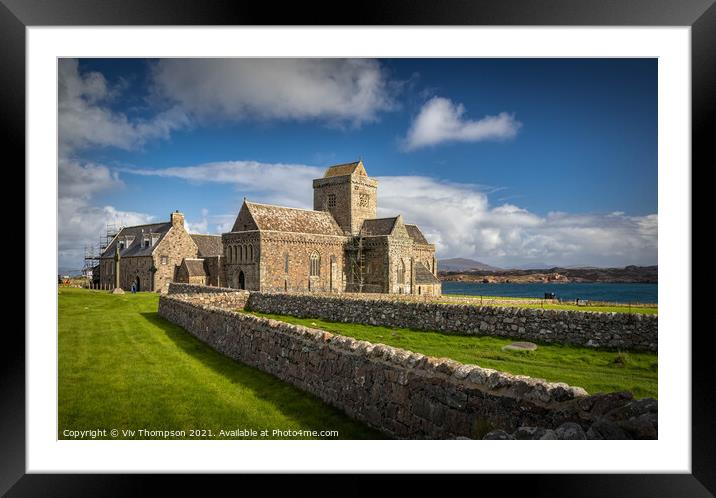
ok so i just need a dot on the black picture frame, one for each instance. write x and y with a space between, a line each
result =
700 15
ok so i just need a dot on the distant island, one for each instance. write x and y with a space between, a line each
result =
452 271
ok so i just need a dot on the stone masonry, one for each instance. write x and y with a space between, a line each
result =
635 332
338 246
151 256
404 394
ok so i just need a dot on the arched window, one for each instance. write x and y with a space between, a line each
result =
285 263
234 256
315 264
401 272
251 252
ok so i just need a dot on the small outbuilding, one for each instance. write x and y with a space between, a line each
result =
192 271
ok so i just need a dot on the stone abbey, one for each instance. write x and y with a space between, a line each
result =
338 246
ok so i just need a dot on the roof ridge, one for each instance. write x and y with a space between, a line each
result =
385 218
287 207
344 164
146 225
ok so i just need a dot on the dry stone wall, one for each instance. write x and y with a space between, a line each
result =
636 332
221 297
404 394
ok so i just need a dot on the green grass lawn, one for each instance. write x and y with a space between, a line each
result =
594 370
121 366
573 307
498 301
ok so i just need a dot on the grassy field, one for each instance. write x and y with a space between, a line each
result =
594 370
573 307
123 367
515 302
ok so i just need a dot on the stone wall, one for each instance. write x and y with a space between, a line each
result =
242 254
403 394
169 253
218 297
215 274
278 276
136 267
624 331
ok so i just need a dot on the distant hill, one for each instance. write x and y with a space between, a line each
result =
635 274
545 266
464 264
532 266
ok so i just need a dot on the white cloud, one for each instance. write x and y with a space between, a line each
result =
86 120
461 221
211 223
81 224
440 120
284 184
83 180
458 218
337 90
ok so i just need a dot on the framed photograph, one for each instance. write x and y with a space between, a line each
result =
428 240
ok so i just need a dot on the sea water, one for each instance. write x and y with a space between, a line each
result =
612 292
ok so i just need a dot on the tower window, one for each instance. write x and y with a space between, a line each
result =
363 200
331 200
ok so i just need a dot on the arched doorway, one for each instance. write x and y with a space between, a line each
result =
136 283
242 280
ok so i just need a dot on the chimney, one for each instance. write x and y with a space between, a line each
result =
177 219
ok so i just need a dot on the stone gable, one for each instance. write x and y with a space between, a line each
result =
339 246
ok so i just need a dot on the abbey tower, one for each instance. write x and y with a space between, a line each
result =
348 194
338 246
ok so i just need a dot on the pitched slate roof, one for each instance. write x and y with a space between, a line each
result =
423 275
416 234
195 267
285 219
345 169
135 247
378 226
209 245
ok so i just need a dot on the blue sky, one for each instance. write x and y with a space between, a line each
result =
508 161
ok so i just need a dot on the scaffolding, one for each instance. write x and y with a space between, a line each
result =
93 252
357 263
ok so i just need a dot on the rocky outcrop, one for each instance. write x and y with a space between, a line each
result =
628 274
